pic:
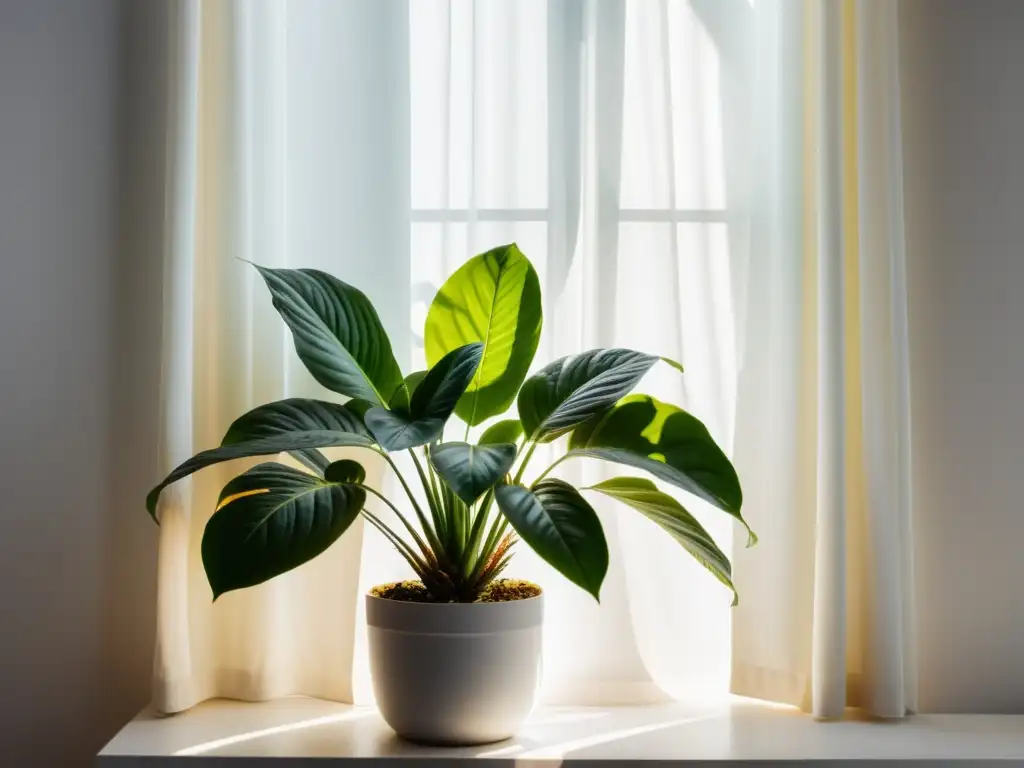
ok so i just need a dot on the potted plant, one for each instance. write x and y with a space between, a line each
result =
455 654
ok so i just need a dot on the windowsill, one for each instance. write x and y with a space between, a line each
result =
312 732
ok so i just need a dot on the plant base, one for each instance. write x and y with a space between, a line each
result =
454 673
498 591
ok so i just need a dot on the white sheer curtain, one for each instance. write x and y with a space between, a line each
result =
387 142
822 438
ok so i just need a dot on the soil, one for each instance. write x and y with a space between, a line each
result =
498 591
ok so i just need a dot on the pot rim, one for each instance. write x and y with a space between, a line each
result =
454 618
369 594
450 606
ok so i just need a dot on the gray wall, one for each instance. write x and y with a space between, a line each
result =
80 143
963 91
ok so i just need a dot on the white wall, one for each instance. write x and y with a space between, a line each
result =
963 89
80 143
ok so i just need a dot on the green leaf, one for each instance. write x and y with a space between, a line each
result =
297 414
345 471
272 519
561 527
431 404
493 298
572 389
399 401
669 443
469 470
669 361
505 431
337 333
261 446
644 496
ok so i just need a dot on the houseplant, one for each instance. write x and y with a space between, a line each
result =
455 655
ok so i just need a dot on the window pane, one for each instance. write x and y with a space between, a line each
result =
671 147
479 105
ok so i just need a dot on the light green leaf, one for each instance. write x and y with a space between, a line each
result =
469 470
337 333
493 298
261 446
643 495
400 400
297 414
272 519
572 389
669 443
505 431
431 404
669 361
561 527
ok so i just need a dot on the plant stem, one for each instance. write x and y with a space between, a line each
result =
427 530
408 526
476 532
498 528
526 460
554 464
396 541
435 510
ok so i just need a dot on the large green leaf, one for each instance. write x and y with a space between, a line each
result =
669 443
561 527
261 446
402 396
431 404
505 431
469 470
272 519
572 389
493 298
297 414
337 333
643 495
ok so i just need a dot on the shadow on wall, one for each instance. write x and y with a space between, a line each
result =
128 616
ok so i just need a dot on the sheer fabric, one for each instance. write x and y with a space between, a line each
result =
639 153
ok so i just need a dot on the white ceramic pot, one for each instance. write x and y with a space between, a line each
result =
457 673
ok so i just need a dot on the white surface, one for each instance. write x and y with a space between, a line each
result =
965 180
736 730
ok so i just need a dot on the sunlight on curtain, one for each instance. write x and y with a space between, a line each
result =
387 143
590 134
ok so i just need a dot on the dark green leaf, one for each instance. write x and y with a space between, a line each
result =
643 495
573 389
493 298
345 471
431 404
469 470
297 415
272 519
400 399
262 446
669 443
506 431
561 527
337 333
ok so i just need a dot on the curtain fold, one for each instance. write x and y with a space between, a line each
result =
614 141
264 164
827 621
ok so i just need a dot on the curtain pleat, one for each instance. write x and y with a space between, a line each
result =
717 182
832 627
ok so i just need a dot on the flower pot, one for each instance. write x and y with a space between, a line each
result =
455 673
